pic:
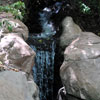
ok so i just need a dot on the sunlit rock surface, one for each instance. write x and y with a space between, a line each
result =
80 71
70 32
14 86
14 52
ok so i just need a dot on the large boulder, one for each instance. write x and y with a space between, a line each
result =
14 86
16 26
70 32
14 52
80 71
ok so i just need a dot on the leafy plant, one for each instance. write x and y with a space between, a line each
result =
1 63
84 8
17 9
40 41
5 24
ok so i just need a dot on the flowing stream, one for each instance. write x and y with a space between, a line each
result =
43 71
44 46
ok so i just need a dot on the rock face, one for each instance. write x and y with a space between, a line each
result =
70 32
14 52
80 72
14 86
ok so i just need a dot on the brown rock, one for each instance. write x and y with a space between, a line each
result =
14 52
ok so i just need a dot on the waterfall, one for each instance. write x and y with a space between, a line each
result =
43 69
44 46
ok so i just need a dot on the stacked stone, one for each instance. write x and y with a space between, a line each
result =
17 60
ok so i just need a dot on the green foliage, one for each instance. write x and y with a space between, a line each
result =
40 41
10 28
17 9
1 63
87 15
98 34
88 6
6 25
84 8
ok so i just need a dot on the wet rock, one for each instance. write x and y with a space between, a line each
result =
70 32
62 94
16 26
34 90
80 72
14 86
14 52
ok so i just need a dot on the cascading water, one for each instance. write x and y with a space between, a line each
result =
44 46
44 67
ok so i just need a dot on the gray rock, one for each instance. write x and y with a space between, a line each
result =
70 32
14 52
62 94
14 86
80 71
34 91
